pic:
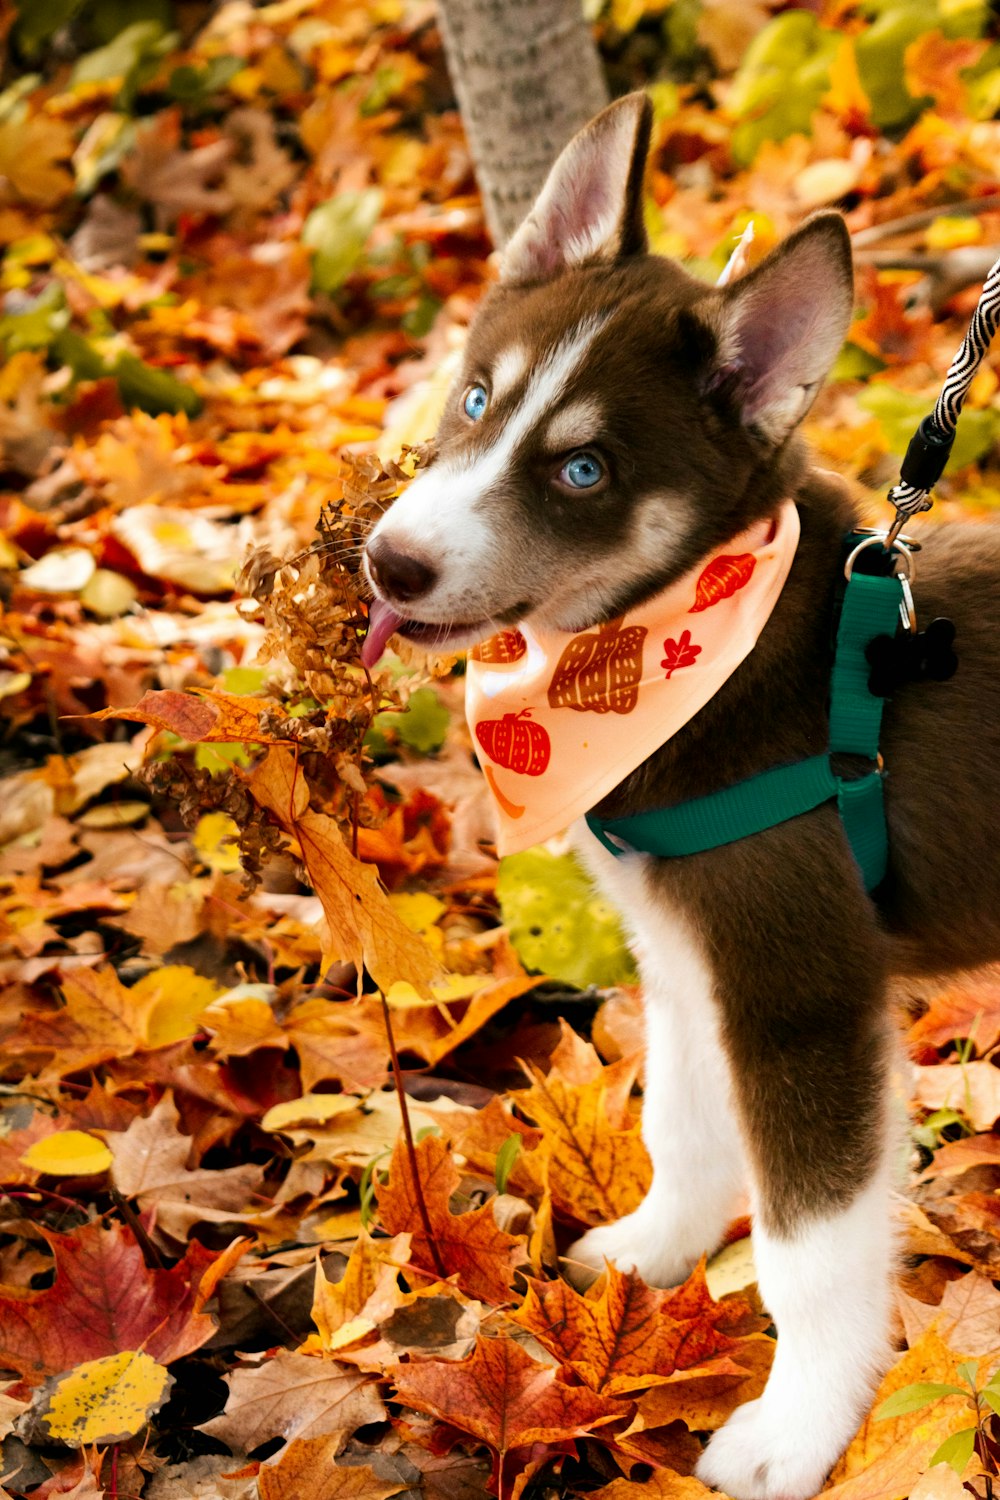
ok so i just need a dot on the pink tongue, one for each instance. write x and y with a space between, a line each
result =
382 621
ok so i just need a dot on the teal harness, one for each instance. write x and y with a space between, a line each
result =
872 605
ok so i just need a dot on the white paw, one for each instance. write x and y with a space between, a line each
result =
632 1247
761 1455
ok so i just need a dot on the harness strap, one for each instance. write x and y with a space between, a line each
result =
870 608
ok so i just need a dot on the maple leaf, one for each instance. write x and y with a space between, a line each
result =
679 653
368 1291
362 925
308 1466
151 1166
102 1019
967 1317
661 1485
628 1337
471 1246
506 1398
105 1299
597 1166
294 1395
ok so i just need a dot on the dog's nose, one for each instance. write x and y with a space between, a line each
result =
398 574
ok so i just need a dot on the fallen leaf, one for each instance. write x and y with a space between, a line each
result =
308 1465
102 1401
294 1396
104 1300
470 1245
965 1009
503 1396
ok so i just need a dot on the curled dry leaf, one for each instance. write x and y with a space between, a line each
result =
308 1466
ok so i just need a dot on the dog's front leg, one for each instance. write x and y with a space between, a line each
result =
798 960
688 1123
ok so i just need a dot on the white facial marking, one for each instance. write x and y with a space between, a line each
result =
573 427
436 519
510 369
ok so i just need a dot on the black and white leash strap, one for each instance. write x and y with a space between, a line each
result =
931 444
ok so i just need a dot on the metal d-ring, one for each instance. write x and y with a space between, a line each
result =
900 548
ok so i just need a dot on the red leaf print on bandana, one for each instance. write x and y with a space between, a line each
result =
722 578
679 653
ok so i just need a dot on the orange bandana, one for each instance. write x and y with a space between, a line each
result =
558 720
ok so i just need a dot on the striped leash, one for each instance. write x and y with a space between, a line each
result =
931 444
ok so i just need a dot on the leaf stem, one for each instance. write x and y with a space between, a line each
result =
411 1150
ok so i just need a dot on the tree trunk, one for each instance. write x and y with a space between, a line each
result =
527 76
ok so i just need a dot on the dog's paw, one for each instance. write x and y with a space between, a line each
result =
632 1247
758 1456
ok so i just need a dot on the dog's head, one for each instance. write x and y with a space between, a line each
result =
615 419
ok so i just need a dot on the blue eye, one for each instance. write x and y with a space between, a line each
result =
476 402
582 471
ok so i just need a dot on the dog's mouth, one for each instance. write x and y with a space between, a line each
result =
384 621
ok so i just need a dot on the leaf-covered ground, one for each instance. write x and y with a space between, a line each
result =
240 248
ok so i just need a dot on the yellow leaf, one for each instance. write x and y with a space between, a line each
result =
215 840
68 1153
311 1109
32 157
105 1400
418 909
173 998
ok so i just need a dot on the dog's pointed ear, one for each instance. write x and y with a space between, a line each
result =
591 205
780 327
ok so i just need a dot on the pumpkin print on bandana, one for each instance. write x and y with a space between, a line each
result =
506 646
600 672
516 742
630 684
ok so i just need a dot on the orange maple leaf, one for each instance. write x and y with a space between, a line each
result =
597 1166
472 1247
506 1398
632 1335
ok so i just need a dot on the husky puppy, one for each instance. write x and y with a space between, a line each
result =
615 421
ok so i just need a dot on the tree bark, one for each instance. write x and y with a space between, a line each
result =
527 76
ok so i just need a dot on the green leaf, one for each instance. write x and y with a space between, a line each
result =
899 413
108 18
189 85
968 1372
991 1395
154 390
955 1451
422 725
506 1157
336 232
42 318
913 1397
558 922
783 76
72 349
119 57
220 756
854 363
244 680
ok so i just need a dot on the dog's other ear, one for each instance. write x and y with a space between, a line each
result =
591 205
780 328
